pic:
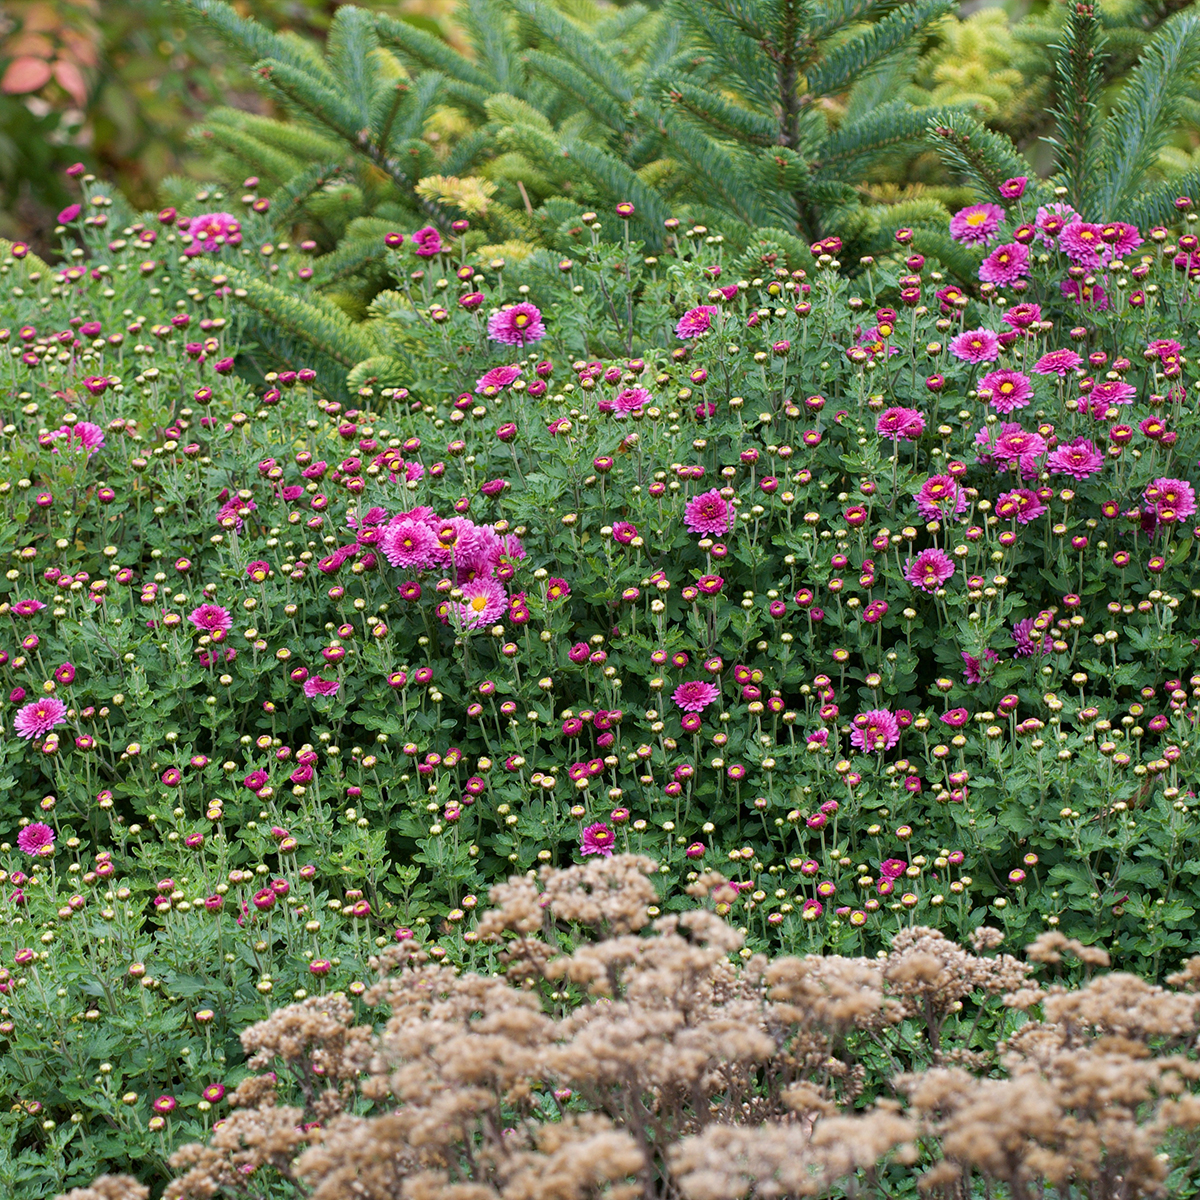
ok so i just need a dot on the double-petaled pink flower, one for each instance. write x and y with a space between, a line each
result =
519 325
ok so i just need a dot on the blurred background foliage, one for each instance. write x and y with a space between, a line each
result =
121 86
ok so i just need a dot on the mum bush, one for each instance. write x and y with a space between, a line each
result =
875 589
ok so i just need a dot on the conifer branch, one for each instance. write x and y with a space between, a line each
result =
1077 142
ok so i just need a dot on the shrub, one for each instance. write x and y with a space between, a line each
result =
879 592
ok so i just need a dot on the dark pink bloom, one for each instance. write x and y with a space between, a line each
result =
695 696
708 513
597 839
409 543
976 224
1173 497
1006 264
427 242
483 602
1022 316
493 382
900 424
976 346
520 325
208 618
930 569
1021 505
695 321
1010 390
940 497
1013 189
316 686
1057 362
875 730
211 230
1078 458
39 717
34 837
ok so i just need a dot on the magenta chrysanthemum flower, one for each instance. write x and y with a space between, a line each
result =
210 617
1091 296
1079 459
82 435
427 242
33 837
900 424
630 400
1052 219
316 686
493 382
1083 244
483 602
1057 362
520 325
26 608
940 497
1010 390
696 695
976 346
477 551
1020 505
211 230
1173 499
707 513
1006 264
1122 237
1022 316
929 570
976 670
975 225
1112 391
875 730
1013 442
1013 189
695 321
1028 641
597 839
408 543
39 717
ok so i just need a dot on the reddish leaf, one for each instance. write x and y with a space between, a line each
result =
71 80
25 75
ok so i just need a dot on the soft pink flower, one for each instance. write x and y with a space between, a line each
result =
26 608
210 617
34 837
316 686
940 497
427 242
875 730
597 839
1022 316
1006 264
707 513
695 321
630 400
1020 505
696 695
1079 459
976 224
930 569
1052 219
520 325
1082 244
1013 442
1112 391
1010 390
82 435
39 717
483 602
976 346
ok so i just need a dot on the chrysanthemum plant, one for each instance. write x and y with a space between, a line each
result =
878 593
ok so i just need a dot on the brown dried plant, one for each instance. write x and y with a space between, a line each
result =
632 1058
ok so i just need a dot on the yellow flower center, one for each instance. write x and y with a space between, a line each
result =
478 603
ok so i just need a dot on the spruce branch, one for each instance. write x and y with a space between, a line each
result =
1078 142
985 158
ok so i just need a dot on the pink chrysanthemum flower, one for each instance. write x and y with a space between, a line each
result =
33 838
1013 189
707 513
316 686
520 325
930 569
1013 442
1112 391
1020 505
1006 264
1082 244
976 346
1057 362
976 670
1052 219
1022 316
39 717
1010 390
1091 296
210 617
695 322
26 608
82 435
940 497
211 230
1027 640
630 400
493 382
597 839
1121 238
1079 459
976 224
875 731
696 695
408 543
483 602
477 551
900 424
1173 499
427 242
